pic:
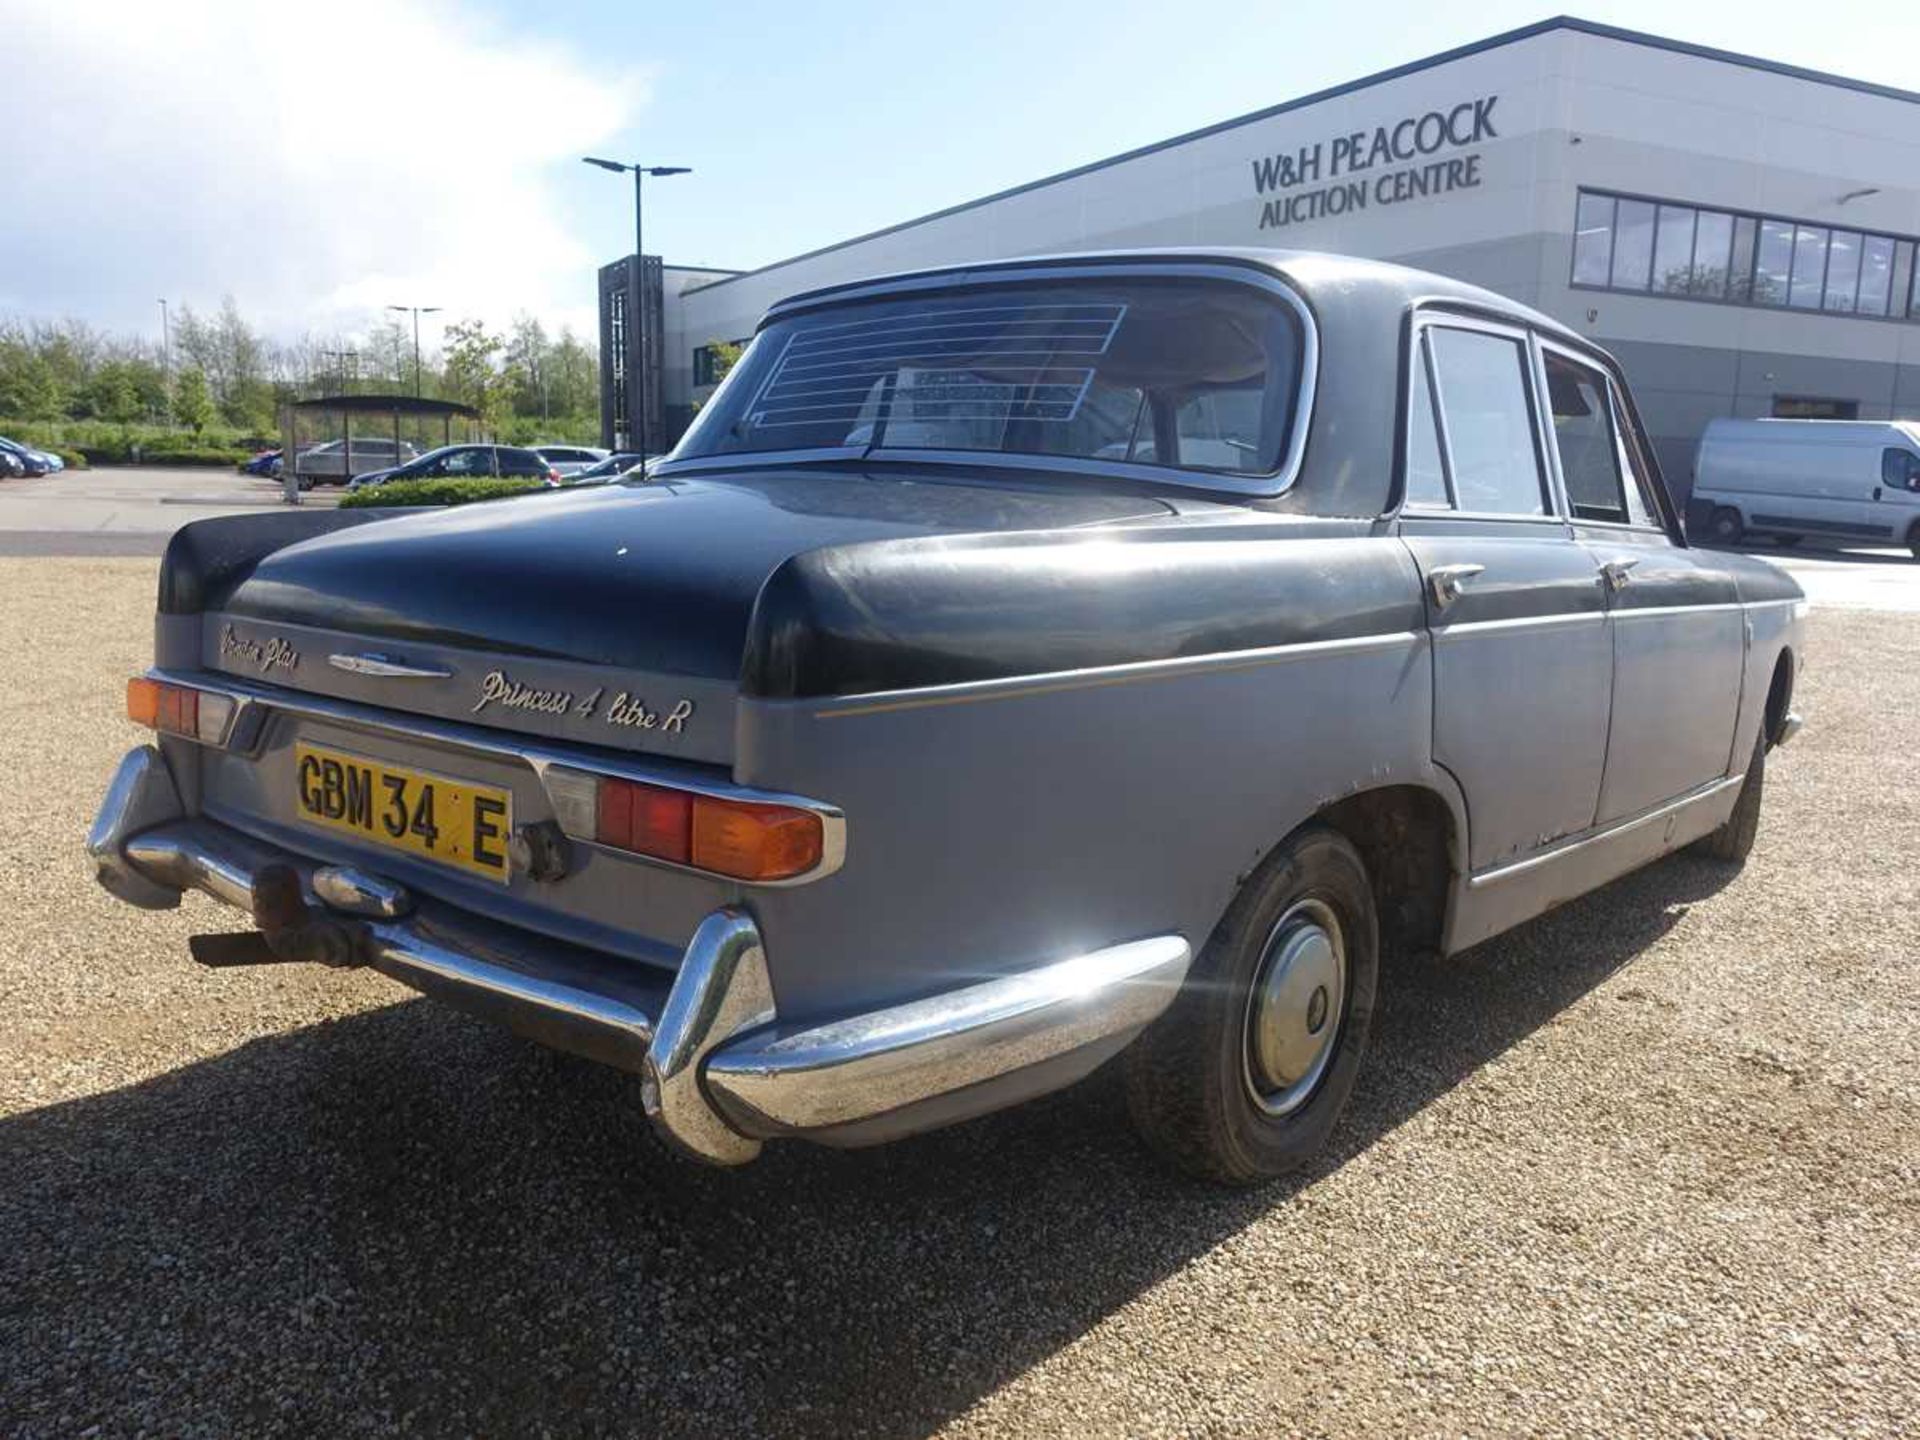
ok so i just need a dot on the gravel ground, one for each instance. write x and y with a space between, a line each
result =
1647 1165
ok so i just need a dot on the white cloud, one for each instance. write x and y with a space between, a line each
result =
315 161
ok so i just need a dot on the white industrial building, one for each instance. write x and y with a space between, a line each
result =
1741 233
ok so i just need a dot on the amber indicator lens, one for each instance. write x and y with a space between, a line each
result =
737 838
755 842
179 710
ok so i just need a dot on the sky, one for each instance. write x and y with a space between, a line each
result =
320 162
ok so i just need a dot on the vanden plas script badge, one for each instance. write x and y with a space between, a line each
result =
273 653
626 709
1380 155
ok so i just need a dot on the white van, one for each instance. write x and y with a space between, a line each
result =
1854 481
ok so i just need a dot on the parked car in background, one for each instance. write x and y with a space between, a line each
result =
330 463
476 462
1213 624
1852 481
619 463
570 460
266 462
33 462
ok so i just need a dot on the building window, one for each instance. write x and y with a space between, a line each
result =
1623 242
1814 407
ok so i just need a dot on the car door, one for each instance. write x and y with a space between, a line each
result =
1678 630
1899 490
1522 663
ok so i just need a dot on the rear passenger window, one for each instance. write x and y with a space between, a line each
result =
1489 424
1583 434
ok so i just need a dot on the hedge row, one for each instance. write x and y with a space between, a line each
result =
434 492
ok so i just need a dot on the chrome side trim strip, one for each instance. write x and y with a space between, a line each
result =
1046 683
854 1069
1520 622
1629 612
1618 828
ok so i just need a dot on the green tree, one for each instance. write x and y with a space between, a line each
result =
112 394
192 400
726 354
29 388
469 369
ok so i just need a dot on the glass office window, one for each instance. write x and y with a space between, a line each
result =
1632 244
1809 267
1740 271
1673 250
1774 265
1843 272
1876 275
1712 238
1593 240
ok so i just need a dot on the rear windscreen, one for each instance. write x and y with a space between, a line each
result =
1198 375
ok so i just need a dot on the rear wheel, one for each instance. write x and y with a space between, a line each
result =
1733 841
1244 1076
1725 528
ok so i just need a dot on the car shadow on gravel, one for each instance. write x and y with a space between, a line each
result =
405 1218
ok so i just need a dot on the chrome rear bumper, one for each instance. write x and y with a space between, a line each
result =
720 1074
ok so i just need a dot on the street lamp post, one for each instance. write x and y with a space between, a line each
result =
166 359
638 367
417 311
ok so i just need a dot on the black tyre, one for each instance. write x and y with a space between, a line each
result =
1244 1076
1733 841
1725 527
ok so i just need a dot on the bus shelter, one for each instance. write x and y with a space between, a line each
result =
331 438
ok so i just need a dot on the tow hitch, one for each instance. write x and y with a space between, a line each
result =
290 930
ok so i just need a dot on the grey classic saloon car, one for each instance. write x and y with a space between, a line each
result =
1014 667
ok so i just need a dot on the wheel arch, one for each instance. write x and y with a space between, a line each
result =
1413 838
1780 693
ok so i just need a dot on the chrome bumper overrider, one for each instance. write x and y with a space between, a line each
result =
720 1074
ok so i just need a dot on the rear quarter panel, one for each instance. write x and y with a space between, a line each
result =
994 825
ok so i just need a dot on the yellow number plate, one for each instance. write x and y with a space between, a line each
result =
436 818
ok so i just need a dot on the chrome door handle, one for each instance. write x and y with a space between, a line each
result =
1616 573
1444 582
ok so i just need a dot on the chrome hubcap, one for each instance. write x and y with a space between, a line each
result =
1294 1008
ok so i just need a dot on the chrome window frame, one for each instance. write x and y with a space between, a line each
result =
1262 485
1424 319
1615 417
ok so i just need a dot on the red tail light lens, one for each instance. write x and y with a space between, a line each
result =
646 819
